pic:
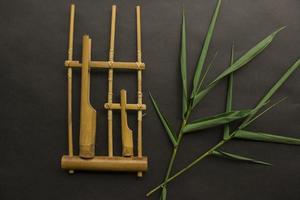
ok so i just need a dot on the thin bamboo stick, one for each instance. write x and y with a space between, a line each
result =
139 79
70 58
110 81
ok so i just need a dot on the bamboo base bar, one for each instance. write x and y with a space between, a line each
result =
104 163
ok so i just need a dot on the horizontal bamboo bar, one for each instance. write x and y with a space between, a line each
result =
103 163
117 106
107 64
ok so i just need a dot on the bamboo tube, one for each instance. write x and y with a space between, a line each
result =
127 141
87 112
70 58
139 79
110 81
104 163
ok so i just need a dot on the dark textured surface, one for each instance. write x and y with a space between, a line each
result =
33 48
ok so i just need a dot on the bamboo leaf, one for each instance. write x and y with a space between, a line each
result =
249 55
236 157
271 92
164 122
242 61
183 64
205 48
266 137
263 112
229 95
207 69
215 120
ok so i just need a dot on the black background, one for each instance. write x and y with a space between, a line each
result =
33 47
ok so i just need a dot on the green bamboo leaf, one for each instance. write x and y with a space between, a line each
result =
183 65
265 137
229 95
262 113
215 120
242 61
207 69
165 123
236 157
271 92
205 48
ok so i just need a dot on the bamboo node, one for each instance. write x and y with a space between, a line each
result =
140 94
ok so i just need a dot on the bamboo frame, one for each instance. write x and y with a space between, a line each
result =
128 162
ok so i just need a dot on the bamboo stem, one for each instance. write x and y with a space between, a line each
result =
218 145
110 81
70 58
139 79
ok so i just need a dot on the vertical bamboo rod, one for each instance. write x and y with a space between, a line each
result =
110 81
70 58
139 79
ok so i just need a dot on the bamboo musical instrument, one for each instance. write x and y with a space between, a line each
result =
87 112
127 141
87 160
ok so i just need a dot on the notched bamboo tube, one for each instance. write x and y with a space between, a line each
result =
103 163
110 81
139 78
87 112
127 141
70 58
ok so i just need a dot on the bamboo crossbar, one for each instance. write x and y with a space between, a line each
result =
107 65
117 106
87 160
